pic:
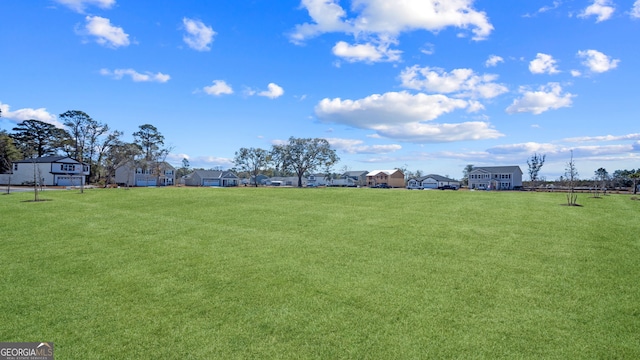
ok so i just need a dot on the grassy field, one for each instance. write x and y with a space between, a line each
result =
274 273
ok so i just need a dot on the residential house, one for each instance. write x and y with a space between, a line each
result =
318 180
358 177
432 181
212 178
161 174
47 171
495 178
392 178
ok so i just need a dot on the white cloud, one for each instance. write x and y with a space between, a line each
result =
632 137
597 62
461 82
635 11
602 9
576 73
353 146
105 33
545 98
136 76
199 36
377 22
20 115
401 116
525 148
81 5
365 52
274 91
543 64
493 60
219 87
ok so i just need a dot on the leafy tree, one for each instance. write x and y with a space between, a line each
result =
601 175
185 169
150 141
635 176
85 133
302 155
535 164
8 152
252 160
465 174
35 138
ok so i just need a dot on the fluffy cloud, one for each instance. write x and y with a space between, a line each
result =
401 116
543 64
136 76
20 115
199 36
381 22
493 60
597 62
219 87
274 91
353 146
105 33
545 98
365 52
81 5
635 11
461 82
602 9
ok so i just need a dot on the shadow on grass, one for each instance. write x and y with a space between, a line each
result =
39 200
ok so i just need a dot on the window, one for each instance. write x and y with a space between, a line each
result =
15 167
68 167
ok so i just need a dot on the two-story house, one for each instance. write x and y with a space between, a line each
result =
392 178
495 178
158 174
47 171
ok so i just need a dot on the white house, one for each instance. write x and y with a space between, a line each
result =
47 171
495 178
162 174
212 178
432 181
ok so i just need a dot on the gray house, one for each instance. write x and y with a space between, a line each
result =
212 178
495 178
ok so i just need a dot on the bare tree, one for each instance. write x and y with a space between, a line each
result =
571 173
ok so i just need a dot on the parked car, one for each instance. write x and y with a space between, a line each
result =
382 186
414 187
448 187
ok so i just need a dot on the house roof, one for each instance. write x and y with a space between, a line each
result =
498 169
387 172
355 173
48 159
213 174
436 178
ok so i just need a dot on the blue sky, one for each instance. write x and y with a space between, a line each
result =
388 83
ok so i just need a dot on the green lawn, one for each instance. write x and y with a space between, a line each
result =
266 273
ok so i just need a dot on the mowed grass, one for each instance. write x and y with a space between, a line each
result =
291 273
